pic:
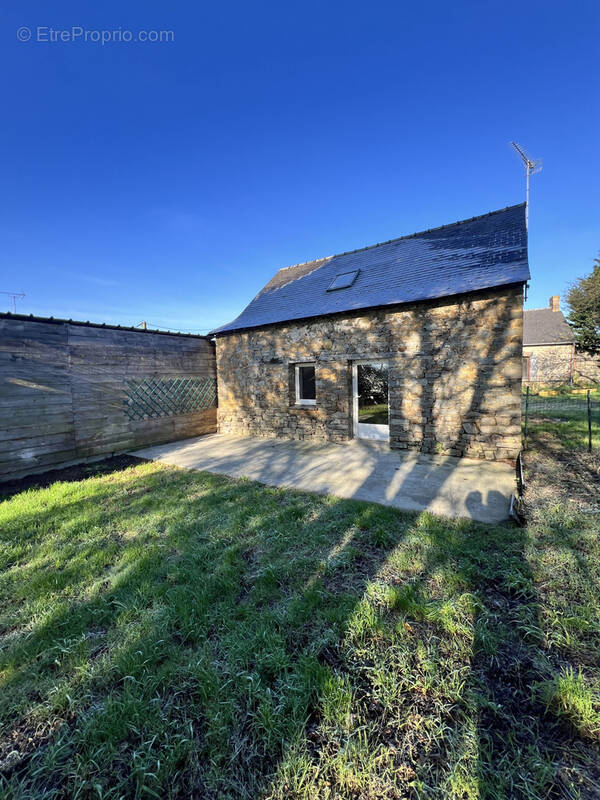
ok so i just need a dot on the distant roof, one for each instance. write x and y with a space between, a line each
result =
478 253
544 326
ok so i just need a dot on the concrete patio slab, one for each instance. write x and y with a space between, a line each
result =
451 487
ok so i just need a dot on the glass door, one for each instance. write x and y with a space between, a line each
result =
370 395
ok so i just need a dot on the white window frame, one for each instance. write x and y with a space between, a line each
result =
300 401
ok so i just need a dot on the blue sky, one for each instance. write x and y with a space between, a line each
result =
168 181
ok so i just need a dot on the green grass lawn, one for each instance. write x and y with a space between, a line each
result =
174 634
377 414
563 417
573 433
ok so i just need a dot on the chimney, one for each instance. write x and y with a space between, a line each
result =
555 302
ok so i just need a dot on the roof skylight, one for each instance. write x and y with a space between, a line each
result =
343 280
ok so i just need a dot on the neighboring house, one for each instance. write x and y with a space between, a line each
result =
548 345
416 341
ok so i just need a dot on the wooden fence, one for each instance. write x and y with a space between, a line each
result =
71 391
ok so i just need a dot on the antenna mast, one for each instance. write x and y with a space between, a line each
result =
15 296
531 168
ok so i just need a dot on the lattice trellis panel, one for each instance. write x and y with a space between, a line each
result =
166 397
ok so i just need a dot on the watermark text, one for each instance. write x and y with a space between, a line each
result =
78 34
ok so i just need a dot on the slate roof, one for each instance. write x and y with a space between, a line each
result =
544 326
478 253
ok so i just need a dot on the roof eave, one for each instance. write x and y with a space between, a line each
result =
546 344
218 332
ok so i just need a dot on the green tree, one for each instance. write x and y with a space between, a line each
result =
583 298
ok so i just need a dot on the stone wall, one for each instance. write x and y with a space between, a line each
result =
549 363
455 375
587 368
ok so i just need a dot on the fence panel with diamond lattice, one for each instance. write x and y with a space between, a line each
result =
71 391
152 398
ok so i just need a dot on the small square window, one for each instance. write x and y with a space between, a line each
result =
306 391
343 280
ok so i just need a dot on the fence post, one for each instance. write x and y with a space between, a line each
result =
526 416
589 412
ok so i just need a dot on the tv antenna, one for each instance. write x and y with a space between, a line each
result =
531 168
15 296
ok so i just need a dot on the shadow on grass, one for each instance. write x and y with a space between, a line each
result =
72 474
179 634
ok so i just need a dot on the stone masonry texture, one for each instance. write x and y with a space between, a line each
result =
454 375
550 362
587 368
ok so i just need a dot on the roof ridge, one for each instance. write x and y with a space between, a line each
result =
310 261
406 236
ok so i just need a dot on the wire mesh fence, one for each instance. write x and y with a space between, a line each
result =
554 409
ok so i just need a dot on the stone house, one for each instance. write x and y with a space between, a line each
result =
548 345
416 342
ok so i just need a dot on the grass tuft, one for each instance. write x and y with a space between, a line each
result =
569 697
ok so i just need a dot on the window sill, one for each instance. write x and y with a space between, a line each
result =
305 404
